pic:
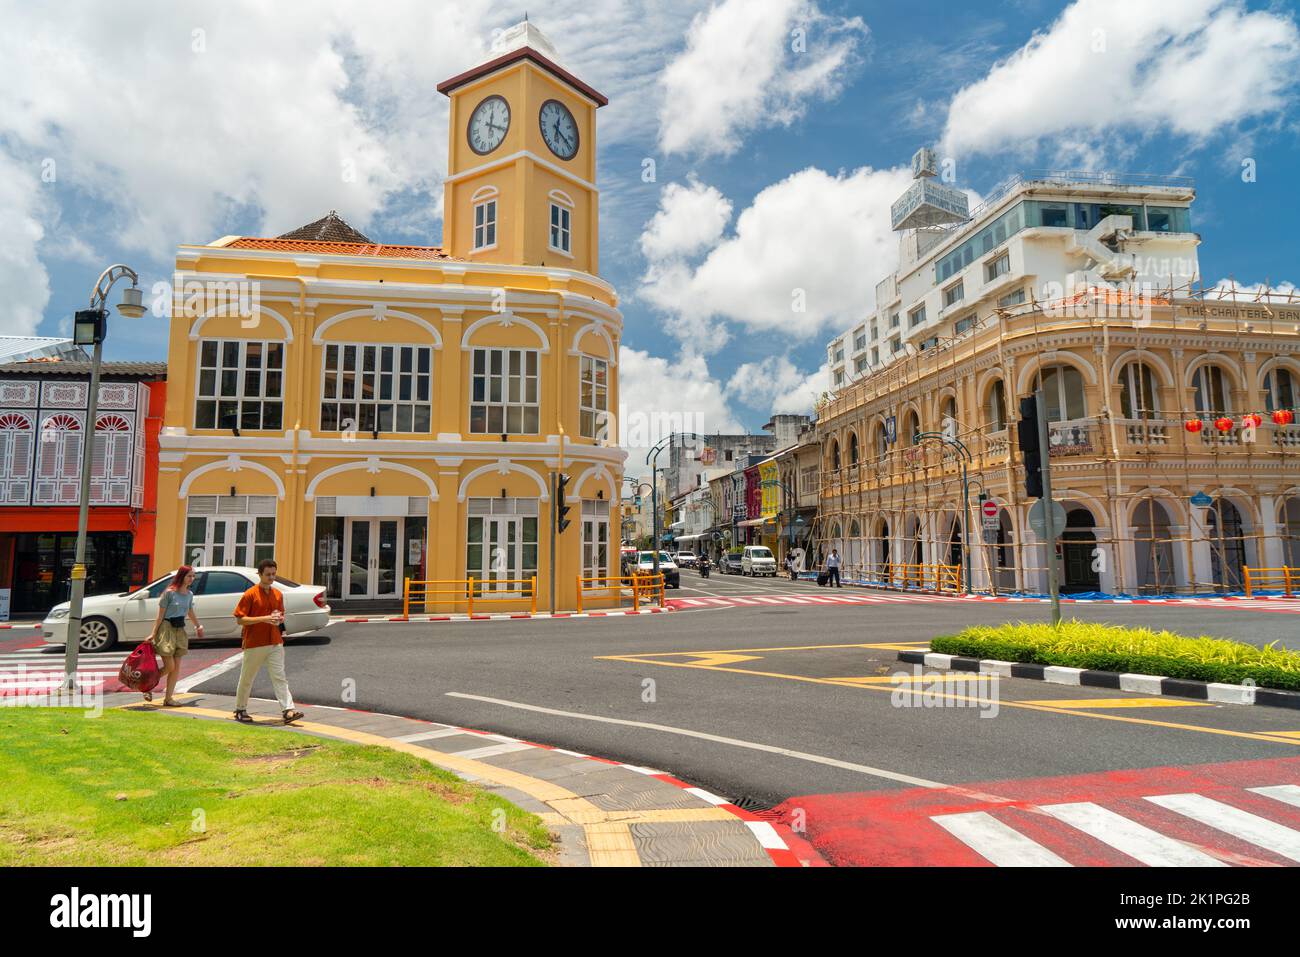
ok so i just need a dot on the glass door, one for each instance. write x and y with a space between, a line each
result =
503 553
359 556
374 561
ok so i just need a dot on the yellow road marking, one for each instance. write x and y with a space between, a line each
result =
933 677
608 836
1002 703
885 646
720 658
1120 703
1283 734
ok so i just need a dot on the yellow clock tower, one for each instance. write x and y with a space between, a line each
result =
521 169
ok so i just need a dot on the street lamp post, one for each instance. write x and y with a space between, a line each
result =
652 459
964 456
89 327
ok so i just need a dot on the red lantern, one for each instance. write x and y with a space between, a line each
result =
1283 417
1223 424
1252 420
1193 425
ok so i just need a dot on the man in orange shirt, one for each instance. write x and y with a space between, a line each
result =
261 612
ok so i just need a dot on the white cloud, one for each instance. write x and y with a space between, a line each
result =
1253 292
248 109
776 384
658 396
1191 67
743 69
690 219
22 277
814 240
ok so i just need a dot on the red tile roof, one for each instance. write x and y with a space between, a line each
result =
523 53
342 249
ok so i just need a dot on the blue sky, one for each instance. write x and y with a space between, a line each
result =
778 129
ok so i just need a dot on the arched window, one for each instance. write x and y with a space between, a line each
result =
881 441
997 409
1137 392
58 461
835 455
1211 391
1062 387
948 416
1279 390
911 427
17 438
853 448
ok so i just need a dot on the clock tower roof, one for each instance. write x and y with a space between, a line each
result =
523 41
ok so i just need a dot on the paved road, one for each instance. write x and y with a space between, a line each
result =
793 706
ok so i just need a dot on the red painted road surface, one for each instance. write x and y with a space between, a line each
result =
1022 819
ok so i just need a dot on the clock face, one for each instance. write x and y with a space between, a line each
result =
559 129
488 124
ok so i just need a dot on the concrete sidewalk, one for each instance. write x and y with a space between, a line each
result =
604 814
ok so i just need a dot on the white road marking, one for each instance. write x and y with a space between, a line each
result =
444 732
1287 793
492 750
997 843
1250 828
1129 837
210 672
705 736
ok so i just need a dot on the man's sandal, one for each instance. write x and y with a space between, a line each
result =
243 717
290 716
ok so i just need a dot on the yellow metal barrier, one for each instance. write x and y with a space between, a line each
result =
639 584
467 590
1285 577
935 577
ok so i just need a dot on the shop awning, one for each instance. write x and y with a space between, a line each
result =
753 522
688 538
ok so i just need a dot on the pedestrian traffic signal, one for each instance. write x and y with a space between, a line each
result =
561 510
1030 451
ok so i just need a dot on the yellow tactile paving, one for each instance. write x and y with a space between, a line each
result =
1120 703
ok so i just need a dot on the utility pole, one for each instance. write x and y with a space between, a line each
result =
554 534
1049 520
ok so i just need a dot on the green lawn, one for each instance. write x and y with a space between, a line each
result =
131 788
1081 644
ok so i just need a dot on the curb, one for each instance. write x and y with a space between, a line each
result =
775 839
499 616
1190 600
36 626
1217 692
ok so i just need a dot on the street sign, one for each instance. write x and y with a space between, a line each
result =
1202 500
990 512
1037 518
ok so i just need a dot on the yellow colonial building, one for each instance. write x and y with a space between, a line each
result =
369 413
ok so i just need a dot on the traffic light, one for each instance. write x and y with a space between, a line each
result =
561 510
1030 451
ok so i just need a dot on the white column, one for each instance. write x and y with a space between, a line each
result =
1273 556
1178 533
1201 568
1106 573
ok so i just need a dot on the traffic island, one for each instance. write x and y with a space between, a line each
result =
1128 659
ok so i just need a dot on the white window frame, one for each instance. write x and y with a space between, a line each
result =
58 459
998 266
376 402
1131 384
1203 385
214 510
1272 393
954 293
486 225
595 536
262 399
560 224
505 379
1063 371
592 415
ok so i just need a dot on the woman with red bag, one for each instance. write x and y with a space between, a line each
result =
168 637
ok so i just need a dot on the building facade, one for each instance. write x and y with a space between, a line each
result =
44 406
1083 286
380 413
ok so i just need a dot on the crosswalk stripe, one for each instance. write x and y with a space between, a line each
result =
1287 793
1251 828
1128 837
492 750
997 843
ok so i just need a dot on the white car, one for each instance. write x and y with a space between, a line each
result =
129 616
645 565
686 559
757 560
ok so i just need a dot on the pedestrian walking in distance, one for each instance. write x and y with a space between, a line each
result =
168 637
833 568
261 613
